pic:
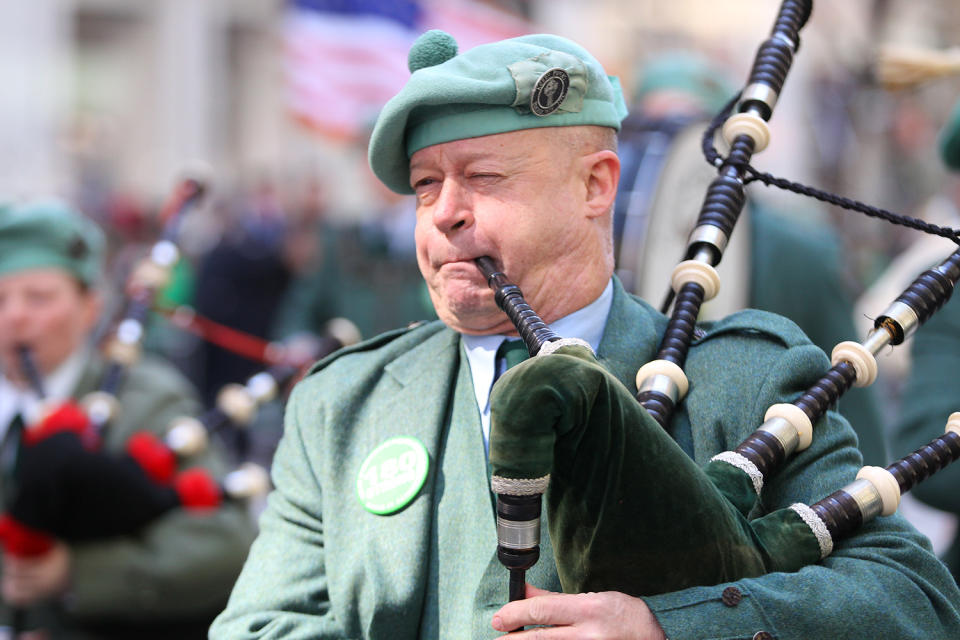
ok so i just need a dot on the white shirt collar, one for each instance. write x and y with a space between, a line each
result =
586 323
58 386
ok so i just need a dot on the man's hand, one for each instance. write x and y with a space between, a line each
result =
29 580
609 614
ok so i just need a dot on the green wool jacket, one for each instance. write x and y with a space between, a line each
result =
323 567
931 394
170 579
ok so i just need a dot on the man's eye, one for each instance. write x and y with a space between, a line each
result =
423 182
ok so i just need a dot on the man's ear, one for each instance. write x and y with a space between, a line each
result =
602 171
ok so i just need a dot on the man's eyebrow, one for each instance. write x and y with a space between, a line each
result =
501 155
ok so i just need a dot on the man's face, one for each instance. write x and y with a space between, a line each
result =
515 197
46 310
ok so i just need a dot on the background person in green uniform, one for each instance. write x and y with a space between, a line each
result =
166 580
776 260
359 542
932 390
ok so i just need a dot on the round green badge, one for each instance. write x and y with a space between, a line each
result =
392 475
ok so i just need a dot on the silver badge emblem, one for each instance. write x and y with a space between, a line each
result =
549 91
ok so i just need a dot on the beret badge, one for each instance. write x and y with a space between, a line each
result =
77 249
549 91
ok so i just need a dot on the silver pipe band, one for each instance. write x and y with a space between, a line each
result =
129 331
165 253
743 463
661 384
784 431
709 234
519 486
518 534
877 340
904 316
867 498
817 526
262 386
760 93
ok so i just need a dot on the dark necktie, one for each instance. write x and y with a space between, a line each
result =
9 452
511 352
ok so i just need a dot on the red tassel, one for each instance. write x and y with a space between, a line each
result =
68 417
153 456
197 489
20 540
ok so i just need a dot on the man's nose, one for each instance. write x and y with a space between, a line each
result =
13 314
453 210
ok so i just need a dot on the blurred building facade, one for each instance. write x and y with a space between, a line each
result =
120 94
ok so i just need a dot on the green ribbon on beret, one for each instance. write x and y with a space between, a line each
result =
627 509
488 90
43 234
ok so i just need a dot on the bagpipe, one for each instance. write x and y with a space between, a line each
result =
68 487
563 422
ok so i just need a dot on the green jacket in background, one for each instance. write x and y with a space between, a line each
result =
795 271
323 567
170 579
931 394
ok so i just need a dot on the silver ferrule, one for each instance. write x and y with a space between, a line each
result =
759 92
661 384
99 408
905 317
518 534
784 432
129 331
262 387
165 253
876 340
709 234
867 498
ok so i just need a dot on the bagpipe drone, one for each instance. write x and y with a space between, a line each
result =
564 423
67 487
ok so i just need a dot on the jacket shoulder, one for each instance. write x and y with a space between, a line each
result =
761 325
381 349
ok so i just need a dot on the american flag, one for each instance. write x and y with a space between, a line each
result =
343 59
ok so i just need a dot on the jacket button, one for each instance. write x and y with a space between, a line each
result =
731 597
763 635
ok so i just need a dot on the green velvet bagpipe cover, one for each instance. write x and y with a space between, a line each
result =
627 509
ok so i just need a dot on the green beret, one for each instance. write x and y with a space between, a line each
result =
950 140
522 83
48 233
689 74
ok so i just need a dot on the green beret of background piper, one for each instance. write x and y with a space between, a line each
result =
689 73
492 88
950 140
49 233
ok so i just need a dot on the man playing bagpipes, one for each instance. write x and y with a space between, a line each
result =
382 524
164 579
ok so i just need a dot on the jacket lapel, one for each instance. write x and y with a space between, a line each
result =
416 402
631 336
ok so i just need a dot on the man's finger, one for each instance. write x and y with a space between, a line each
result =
549 609
533 591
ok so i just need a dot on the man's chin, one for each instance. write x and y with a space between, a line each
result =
475 320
